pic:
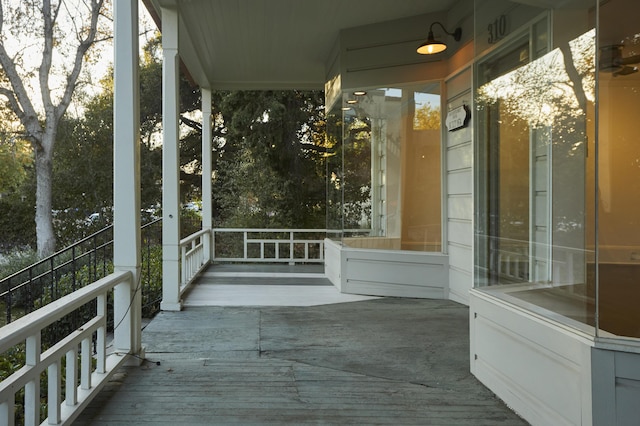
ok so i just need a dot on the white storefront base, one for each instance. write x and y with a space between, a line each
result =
387 272
539 366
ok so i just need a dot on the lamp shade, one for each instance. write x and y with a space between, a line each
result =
431 47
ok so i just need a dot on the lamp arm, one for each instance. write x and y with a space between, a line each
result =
457 33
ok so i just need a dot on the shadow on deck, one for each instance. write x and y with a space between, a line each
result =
380 361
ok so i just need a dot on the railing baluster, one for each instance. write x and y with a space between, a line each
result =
245 245
54 395
32 388
183 274
85 364
6 412
71 378
101 337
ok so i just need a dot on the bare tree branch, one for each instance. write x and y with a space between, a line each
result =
85 44
47 55
21 104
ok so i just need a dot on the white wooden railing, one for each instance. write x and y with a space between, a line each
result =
279 245
194 256
95 369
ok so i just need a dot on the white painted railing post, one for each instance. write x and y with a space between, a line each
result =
245 245
170 163
291 251
126 181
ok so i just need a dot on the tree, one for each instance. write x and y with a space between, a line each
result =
65 29
269 169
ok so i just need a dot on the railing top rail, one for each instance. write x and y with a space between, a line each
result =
274 230
193 236
30 324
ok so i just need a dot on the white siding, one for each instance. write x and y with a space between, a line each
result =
458 161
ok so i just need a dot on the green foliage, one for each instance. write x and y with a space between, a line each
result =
427 117
270 168
17 227
15 161
16 260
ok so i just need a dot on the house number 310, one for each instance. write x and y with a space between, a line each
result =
497 29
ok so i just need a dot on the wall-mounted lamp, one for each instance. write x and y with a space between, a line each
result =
432 46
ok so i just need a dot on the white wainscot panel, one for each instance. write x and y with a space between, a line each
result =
540 368
394 273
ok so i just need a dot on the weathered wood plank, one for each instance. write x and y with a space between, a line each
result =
379 362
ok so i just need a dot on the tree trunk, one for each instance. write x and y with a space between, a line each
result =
46 240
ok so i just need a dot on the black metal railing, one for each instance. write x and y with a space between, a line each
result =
78 265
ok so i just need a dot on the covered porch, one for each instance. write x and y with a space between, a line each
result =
351 362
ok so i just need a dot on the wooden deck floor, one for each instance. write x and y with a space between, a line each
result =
373 362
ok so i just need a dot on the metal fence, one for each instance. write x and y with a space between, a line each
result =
77 266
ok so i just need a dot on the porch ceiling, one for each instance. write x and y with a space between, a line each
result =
272 44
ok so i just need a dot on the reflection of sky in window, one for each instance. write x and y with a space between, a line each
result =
393 93
420 98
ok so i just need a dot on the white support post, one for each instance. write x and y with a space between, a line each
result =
126 178
207 173
170 163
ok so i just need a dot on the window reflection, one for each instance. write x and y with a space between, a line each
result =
387 185
556 193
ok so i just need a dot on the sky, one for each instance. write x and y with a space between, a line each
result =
26 45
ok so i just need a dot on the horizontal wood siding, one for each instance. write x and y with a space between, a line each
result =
458 160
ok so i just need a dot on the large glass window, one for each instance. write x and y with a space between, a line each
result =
535 101
384 175
614 172
558 164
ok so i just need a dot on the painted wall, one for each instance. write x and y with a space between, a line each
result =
458 160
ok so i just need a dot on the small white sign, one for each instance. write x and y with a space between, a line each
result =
458 118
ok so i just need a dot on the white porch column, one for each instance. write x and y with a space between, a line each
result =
126 177
170 163
207 203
